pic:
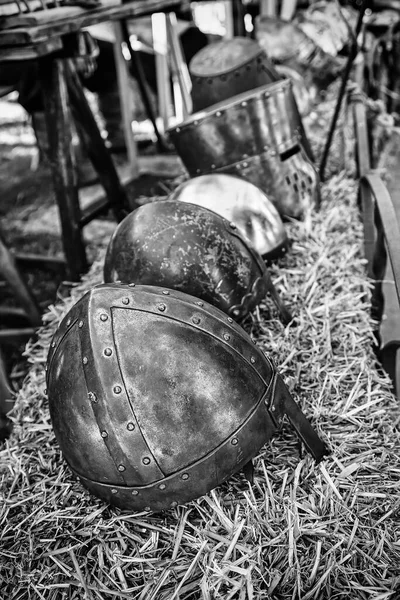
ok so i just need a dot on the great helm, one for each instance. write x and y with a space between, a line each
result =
242 203
226 68
156 397
257 135
190 248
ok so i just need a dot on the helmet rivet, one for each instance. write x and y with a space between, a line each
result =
103 317
114 491
132 284
185 476
92 397
244 103
135 492
227 337
195 122
108 352
68 322
233 225
125 300
161 307
200 303
245 164
236 312
117 389
213 166
218 113
234 441
245 156
80 324
146 460
85 360
196 320
252 360
238 166
230 320
104 434
177 129
130 426
121 468
147 508
165 292
173 504
198 171
161 486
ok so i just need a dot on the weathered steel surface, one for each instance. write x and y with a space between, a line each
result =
188 248
239 202
157 397
227 68
257 135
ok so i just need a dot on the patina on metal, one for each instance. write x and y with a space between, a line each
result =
258 136
242 203
192 249
156 397
229 67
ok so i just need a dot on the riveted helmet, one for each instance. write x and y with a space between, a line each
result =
242 203
258 136
157 397
192 249
226 68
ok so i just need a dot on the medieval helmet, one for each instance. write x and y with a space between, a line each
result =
192 249
259 136
156 397
226 68
242 203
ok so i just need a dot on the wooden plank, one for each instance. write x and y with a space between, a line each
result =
30 51
38 33
126 99
52 15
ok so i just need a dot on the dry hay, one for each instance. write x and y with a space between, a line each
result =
301 531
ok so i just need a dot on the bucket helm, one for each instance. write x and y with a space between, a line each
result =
257 135
156 397
226 68
242 203
190 248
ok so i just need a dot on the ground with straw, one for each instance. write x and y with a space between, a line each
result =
301 531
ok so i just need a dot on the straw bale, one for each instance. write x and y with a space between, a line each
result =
301 531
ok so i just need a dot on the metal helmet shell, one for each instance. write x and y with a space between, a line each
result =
188 248
226 68
257 136
242 203
156 397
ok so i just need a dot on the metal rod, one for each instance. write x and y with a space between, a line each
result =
345 77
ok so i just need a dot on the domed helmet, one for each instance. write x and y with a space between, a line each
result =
242 203
192 249
156 397
226 68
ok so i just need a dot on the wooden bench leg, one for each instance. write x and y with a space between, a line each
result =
95 146
58 120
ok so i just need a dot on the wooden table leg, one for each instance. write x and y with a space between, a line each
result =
58 120
95 146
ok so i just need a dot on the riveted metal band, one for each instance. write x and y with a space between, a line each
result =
198 478
114 414
182 308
